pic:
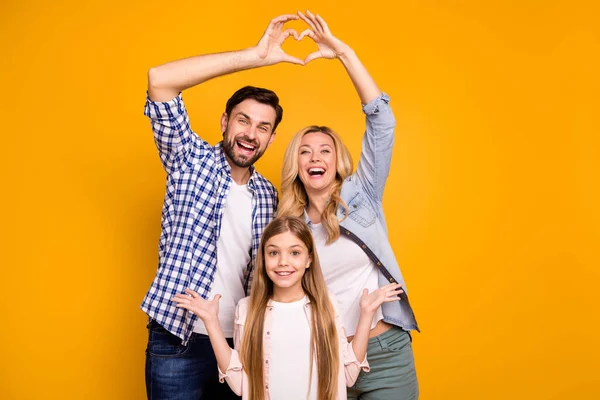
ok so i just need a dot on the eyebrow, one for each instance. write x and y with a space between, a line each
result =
248 117
291 247
321 145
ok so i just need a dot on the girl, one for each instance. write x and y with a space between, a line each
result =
345 213
288 340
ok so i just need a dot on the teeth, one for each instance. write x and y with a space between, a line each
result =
315 171
245 146
283 273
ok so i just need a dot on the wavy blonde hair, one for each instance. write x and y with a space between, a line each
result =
324 336
293 194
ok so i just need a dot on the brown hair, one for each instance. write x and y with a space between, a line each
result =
324 335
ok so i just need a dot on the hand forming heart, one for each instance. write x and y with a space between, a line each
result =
269 47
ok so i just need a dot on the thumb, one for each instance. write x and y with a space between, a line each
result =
217 297
365 292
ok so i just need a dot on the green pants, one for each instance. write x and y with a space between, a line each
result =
392 375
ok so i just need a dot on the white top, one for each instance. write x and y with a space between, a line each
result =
233 256
347 270
290 353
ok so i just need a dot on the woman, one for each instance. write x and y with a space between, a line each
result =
289 342
345 213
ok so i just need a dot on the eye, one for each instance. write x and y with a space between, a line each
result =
272 253
304 152
295 253
326 151
263 128
243 122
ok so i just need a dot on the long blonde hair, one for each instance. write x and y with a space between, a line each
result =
293 194
324 336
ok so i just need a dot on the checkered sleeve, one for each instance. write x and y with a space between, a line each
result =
173 135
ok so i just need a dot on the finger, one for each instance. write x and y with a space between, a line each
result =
312 57
365 292
217 297
306 32
192 293
322 22
314 21
283 18
286 34
293 60
307 20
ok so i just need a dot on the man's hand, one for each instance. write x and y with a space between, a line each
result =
269 46
329 46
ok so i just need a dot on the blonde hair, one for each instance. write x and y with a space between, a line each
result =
293 194
324 336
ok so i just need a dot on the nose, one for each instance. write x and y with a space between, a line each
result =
251 133
314 157
283 260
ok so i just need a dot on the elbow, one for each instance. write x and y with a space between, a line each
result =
154 78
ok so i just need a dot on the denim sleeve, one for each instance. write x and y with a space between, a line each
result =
173 136
377 145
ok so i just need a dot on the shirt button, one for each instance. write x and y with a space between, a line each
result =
267 386
266 361
268 333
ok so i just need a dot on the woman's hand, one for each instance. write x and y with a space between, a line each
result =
329 46
370 302
206 310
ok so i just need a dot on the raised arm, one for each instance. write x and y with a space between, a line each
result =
331 47
369 303
166 81
374 164
208 312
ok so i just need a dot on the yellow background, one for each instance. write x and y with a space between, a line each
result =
492 201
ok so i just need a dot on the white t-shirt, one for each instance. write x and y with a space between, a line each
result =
347 271
233 256
290 344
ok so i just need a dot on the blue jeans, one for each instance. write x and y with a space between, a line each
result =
177 372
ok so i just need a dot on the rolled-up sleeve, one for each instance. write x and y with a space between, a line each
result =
352 366
173 135
377 146
234 373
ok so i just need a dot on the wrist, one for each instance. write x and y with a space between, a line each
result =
255 58
345 54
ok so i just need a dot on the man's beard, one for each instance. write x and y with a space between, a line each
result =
241 160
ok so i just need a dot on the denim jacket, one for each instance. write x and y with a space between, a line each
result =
363 191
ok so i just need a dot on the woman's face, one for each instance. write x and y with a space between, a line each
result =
317 162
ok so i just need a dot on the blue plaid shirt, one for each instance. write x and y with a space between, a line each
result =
198 180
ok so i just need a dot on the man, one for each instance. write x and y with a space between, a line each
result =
215 209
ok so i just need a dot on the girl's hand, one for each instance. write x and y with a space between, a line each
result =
206 310
329 46
370 302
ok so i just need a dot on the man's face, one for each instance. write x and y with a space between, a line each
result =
247 132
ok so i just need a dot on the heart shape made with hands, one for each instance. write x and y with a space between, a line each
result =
270 45
300 47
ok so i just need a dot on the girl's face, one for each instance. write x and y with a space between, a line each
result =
286 260
317 161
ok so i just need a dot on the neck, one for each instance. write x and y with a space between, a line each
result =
317 201
240 175
287 295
